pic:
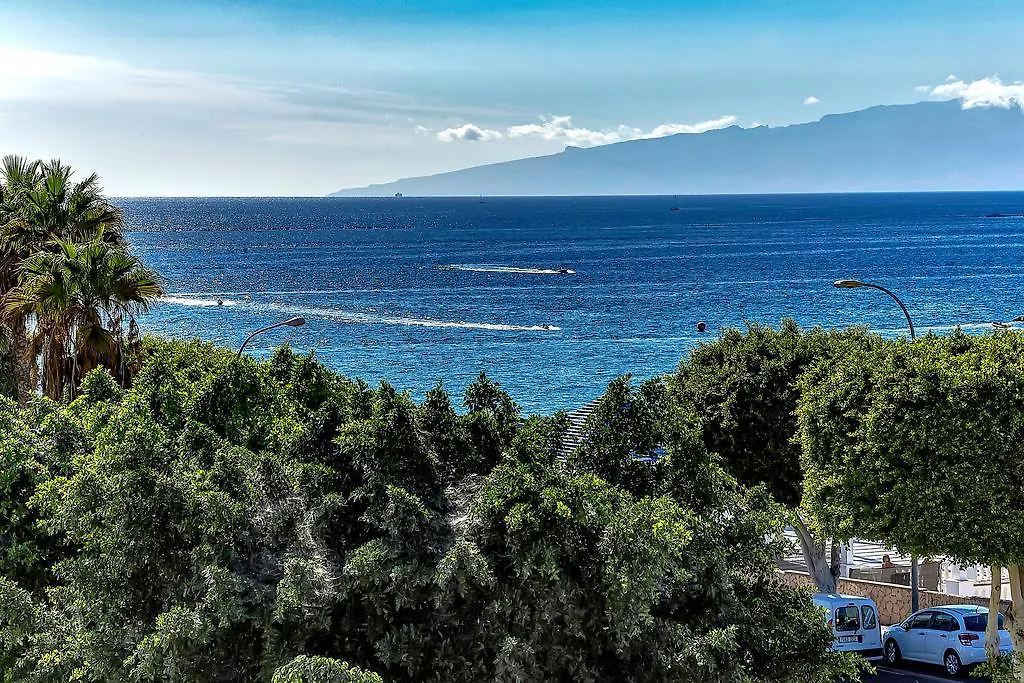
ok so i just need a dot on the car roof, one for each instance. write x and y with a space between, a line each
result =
959 610
836 597
963 609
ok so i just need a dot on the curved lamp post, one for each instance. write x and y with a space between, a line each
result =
855 284
293 322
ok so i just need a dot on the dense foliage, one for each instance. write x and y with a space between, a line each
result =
744 388
919 445
226 519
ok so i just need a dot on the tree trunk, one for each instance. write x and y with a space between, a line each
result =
992 627
821 570
22 361
1015 619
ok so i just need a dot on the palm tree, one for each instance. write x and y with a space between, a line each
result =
40 206
18 176
80 296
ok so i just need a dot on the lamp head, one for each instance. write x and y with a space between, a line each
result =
295 322
848 284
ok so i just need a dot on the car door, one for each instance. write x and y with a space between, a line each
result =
869 625
913 645
943 627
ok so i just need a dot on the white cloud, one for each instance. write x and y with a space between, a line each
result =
702 127
468 133
561 127
812 100
985 92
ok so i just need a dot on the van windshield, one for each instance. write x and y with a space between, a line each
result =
847 618
978 622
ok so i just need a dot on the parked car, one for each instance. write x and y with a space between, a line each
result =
952 637
854 621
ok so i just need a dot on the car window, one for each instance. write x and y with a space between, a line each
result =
978 622
922 620
868 618
944 622
847 618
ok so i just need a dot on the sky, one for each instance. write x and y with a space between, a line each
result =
304 97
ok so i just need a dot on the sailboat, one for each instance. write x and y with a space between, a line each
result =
675 203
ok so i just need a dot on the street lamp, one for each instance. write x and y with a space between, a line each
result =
293 322
854 284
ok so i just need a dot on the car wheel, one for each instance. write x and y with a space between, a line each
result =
893 656
951 662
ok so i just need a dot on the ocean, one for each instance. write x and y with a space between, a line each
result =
415 291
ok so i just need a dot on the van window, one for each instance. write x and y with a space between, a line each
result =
867 617
978 622
847 618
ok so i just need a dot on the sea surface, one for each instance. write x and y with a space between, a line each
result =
414 291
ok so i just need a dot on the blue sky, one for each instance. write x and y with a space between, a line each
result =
182 97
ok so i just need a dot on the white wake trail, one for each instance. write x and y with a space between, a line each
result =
353 317
486 268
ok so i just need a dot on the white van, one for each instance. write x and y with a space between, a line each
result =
854 621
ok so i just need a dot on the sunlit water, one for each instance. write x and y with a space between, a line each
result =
555 297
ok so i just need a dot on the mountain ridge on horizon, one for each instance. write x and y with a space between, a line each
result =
925 146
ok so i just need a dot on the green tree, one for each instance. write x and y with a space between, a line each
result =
744 389
226 519
559 574
919 445
80 298
40 207
305 669
625 428
18 176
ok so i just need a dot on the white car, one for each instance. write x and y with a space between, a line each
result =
952 637
854 623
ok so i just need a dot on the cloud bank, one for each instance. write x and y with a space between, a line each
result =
985 92
468 133
562 128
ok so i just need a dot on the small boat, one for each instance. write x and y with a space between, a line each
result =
675 203
564 271
220 302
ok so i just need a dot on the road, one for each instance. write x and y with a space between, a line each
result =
908 674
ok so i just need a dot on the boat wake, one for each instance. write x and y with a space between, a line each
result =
196 301
485 268
356 318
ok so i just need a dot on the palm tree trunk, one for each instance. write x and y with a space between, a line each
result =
20 353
